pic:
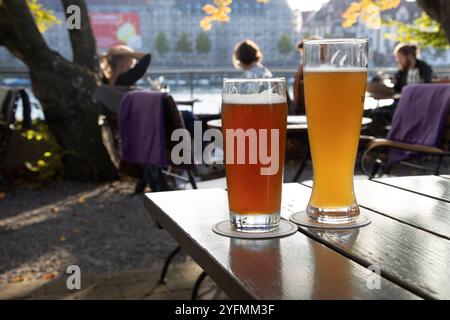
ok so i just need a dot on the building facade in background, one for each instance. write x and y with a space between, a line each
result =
170 29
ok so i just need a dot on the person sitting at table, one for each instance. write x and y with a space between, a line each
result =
122 66
411 69
298 86
247 56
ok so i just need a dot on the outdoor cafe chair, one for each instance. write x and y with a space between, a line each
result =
9 101
109 97
375 158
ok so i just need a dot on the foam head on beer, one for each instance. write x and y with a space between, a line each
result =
264 98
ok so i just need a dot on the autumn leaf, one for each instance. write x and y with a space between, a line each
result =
48 276
2 195
55 209
21 278
81 200
209 9
17 279
62 238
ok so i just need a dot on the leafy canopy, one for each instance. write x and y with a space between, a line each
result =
424 32
368 11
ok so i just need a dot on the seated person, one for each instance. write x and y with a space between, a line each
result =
122 66
411 70
248 56
299 96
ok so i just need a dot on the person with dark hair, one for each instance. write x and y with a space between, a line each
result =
299 95
248 56
122 66
411 69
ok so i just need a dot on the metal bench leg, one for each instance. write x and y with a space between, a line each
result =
8 185
162 277
197 285
302 165
191 179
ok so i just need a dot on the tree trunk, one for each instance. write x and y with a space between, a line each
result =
66 92
64 88
438 10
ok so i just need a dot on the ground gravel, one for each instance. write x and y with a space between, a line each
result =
100 227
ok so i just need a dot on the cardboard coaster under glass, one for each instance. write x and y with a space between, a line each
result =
285 229
302 219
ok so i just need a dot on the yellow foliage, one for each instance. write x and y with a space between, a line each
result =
218 12
369 11
215 12
44 18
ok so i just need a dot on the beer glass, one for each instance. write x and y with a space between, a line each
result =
254 119
335 76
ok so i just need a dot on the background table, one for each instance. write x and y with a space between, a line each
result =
408 240
295 125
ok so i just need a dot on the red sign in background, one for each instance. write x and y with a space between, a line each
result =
111 29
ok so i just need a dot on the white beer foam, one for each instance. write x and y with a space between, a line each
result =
265 97
331 69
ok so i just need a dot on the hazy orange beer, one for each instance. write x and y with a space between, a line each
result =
254 116
335 83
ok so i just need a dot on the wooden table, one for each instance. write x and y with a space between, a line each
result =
408 240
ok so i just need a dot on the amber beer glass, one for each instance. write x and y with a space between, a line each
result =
254 116
335 75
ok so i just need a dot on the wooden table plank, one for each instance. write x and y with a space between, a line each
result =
411 208
422 212
430 186
294 267
413 258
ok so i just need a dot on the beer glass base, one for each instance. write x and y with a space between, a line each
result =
255 222
340 215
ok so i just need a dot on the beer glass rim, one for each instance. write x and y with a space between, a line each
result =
338 41
276 79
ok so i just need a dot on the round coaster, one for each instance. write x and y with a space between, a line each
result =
286 228
302 219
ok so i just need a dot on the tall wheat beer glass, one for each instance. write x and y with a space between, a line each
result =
335 75
254 116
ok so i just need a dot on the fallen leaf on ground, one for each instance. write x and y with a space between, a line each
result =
21 278
2 195
81 200
62 238
17 278
55 209
49 276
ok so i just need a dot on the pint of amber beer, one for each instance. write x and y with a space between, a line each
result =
254 116
335 76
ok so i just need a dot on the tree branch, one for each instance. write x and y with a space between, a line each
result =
431 7
438 10
19 33
82 40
